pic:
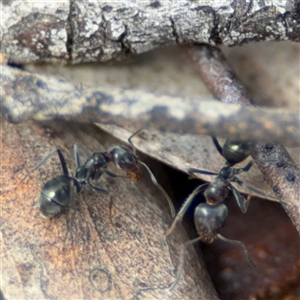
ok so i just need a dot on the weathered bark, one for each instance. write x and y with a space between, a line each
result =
96 250
42 97
82 31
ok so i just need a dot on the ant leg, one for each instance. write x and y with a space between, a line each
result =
241 202
237 171
42 162
238 181
193 170
239 243
261 193
63 163
217 145
130 140
97 189
76 155
160 188
181 260
185 206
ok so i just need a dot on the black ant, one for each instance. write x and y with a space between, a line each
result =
58 193
210 217
124 158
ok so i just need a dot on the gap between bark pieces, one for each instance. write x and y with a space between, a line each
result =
278 168
283 175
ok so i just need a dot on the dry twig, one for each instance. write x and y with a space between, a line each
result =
43 97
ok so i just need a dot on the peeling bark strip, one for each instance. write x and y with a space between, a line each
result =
283 175
84 31
275 163
44 97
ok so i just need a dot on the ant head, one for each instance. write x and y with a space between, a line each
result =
125 159
235 152
209 219
216 192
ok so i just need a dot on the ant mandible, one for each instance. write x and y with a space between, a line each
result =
124 158
210 217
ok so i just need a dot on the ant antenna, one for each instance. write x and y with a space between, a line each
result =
42 162
181 260
217 145
131 143
76 155
154 181
239 243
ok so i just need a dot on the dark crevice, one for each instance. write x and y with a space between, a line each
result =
174 32
70 30
125 49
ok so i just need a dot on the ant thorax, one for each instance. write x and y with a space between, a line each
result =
94 167
216 192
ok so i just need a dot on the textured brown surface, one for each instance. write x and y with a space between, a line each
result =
96 250
269 72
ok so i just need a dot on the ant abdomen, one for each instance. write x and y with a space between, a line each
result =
56 195
209 219
235 152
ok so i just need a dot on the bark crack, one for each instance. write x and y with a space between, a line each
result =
174 32
70 31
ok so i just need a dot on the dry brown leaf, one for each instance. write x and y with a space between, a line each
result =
96 250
